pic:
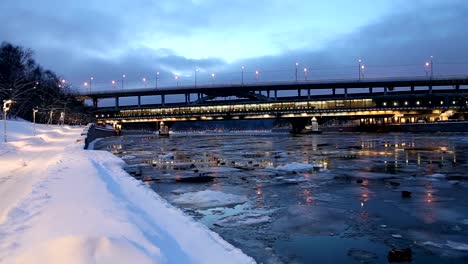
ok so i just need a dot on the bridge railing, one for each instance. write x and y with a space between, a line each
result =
276 83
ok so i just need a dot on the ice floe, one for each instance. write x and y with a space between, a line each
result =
208 199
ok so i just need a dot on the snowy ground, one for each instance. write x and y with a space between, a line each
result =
62 204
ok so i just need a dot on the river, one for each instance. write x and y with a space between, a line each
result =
331 198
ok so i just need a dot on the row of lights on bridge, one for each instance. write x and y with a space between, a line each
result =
428 66
417 103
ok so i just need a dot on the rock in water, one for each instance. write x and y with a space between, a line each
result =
406 194
400 255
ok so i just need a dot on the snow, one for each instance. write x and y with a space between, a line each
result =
63 204
208 199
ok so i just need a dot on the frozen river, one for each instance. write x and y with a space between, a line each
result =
332 198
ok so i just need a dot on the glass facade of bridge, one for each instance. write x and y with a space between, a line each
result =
241 109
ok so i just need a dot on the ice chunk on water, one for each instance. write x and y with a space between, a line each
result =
128 157
243 219
457 246
295 166
208 199
169 155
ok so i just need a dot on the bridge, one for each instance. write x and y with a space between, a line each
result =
382 100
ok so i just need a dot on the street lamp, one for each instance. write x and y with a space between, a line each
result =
144 80
196 71
213 77
34 121
427 67
297 64
305 74
6 108
90 83
113 84
85 84
177 79
157 78
123 77
242 75
256 75
362 70
359 69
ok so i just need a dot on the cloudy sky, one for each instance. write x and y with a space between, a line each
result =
108 38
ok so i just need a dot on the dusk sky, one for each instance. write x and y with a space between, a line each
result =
108 38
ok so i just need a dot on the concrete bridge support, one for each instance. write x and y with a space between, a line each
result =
298 124
163 99
276 95
139 101
95 102
116 102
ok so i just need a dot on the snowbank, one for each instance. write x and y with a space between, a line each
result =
208 199
63 204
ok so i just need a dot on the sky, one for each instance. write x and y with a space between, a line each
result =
108 38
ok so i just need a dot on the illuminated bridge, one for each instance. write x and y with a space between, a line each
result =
371 100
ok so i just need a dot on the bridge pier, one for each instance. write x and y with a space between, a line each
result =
346 92
412 88
385 90
116 102
95 102
370 90
334 91
430 89
298 124
276 95
139 101
163 99
268 93
457 87
299 92
308 94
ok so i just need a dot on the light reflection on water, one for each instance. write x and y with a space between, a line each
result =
341 199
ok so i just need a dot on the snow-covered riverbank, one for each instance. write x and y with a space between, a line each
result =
63 204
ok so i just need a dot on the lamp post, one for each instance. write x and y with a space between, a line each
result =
85 84
363 67
426 68
242 75
177 80
123 77
213 77
144 81
297 64
157 78
432 67
34 121
256 75
305 74
6 108
196 71
90 83
113 84
359 68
